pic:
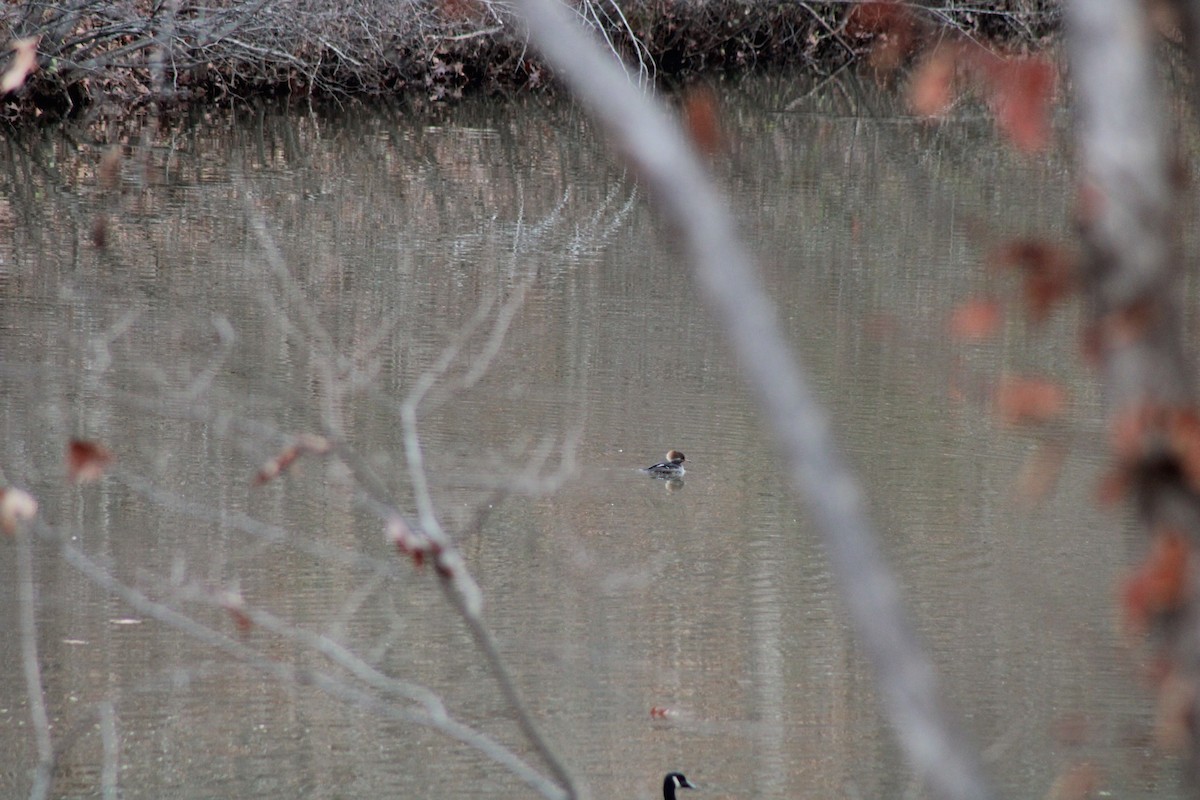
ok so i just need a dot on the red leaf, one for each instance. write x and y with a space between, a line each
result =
86 461
1049 272
701 119
1021 93
931 90
891 24
975 319
1159 585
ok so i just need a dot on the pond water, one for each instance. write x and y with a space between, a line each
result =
273 274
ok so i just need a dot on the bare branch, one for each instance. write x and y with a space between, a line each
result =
34 691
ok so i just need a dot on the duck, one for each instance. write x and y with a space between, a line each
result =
671 468
675 780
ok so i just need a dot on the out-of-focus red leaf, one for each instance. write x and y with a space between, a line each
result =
892 25
1159 585
22 66
931 90
17 506
86 461
701 119
661 712
1025 400
1021 92
976 319
1048 270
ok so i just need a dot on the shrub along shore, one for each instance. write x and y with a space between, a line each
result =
118 58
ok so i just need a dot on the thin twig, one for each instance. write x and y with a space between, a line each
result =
34 691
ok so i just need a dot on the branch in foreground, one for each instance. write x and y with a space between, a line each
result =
1131 272
727 273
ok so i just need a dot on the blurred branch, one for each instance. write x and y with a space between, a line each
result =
1132 275
726 271
455 579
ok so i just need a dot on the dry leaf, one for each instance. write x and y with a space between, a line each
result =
17 506
976 319
931 90
86 461
701 120
1021 94
1159 585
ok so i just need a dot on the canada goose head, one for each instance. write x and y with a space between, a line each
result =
675 780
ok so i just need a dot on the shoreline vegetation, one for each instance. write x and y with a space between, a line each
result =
115 59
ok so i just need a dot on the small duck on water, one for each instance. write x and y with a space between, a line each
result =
675 780
671 468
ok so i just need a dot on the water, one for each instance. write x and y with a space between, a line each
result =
267 272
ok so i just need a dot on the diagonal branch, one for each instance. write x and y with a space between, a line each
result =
726 272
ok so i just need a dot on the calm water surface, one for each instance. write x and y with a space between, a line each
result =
265 274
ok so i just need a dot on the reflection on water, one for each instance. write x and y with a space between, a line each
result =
503 235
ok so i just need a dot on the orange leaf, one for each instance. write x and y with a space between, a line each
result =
86 461
975 319
1029 400
1021 93
23 64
